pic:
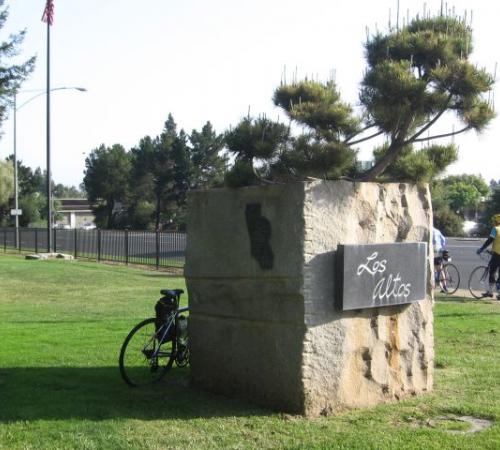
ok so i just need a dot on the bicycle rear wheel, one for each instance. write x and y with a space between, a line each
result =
478 281
143 358
449 278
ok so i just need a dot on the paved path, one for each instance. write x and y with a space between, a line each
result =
463 255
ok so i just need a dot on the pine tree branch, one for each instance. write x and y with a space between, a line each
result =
439 136
378 133
359 132
431 122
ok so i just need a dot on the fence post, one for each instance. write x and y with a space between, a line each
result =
20 240
55 241
157 250
98 245
126 247
5 239
76 242
36 240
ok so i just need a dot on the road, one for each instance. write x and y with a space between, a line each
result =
463 255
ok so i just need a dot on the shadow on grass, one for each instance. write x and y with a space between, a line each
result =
461 300
467 314
98 393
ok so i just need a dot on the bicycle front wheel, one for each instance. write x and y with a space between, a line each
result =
449 278
478 281
143 358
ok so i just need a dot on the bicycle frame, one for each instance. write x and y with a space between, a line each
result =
170 322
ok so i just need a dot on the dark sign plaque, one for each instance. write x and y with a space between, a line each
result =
374 275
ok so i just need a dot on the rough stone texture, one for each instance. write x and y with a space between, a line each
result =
45 256
273 335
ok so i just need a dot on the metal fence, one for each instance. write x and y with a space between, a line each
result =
160 249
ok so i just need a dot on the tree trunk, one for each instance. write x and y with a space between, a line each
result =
384 162
157 212
111 207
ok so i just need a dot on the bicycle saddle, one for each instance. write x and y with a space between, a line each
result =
171 292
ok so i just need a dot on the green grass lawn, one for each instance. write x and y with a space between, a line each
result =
62 325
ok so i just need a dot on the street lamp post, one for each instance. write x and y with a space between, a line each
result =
49 191
16 194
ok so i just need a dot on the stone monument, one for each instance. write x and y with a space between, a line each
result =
273 314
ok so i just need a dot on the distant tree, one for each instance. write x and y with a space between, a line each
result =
163 171
11 75
492 207
445 219
141 214
29 181
141 209
452 197
62 191
154 176
166 167
465 192
32 193
449 223
34 209
182 170
207 163
107 176
416 74
6 189
6 181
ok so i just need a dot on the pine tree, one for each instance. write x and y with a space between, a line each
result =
208 165
6 185
106 181
415 75
11 75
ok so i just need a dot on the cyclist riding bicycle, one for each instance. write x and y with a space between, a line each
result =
494 239
438 243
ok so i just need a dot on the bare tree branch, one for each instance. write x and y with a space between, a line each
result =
429 124
359 132
378 133
439 136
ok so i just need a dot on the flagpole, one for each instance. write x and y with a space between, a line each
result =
49 178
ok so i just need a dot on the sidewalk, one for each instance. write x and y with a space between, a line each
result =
465 293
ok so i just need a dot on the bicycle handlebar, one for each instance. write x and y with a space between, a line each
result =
484 255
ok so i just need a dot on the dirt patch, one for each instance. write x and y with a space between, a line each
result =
455 424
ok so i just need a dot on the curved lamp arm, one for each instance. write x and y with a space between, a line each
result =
45 92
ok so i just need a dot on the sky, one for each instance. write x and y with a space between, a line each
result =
211 60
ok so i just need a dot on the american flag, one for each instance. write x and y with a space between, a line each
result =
48 12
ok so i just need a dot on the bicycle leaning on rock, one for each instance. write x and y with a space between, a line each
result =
153 345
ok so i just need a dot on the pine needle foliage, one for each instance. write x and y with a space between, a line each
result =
11 75
415 76
420 165
253 140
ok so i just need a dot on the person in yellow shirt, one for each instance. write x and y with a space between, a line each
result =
494 239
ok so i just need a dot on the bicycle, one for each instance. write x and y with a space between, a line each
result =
479 278
153 345
448 277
